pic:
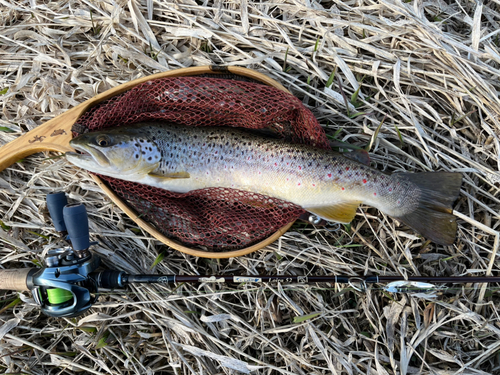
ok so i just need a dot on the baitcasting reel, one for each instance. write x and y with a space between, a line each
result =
69 285
63 288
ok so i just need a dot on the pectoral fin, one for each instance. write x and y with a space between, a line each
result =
170 175
342 212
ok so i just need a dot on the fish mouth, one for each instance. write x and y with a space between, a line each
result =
86 155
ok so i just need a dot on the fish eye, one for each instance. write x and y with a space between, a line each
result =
103 140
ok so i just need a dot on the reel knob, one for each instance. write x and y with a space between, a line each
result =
55 204
77 224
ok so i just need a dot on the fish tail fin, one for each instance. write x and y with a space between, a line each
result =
433 216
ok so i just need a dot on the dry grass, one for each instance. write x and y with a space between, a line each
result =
431 67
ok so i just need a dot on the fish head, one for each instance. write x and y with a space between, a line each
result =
115 153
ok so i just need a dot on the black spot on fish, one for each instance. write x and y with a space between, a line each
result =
144 152
149 158
341 171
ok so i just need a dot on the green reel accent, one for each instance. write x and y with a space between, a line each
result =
56 296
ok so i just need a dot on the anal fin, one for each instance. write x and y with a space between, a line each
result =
342 212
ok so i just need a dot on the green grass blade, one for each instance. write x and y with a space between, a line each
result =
331 78
303 318
158 259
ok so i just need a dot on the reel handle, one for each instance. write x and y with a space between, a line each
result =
55 204
16 279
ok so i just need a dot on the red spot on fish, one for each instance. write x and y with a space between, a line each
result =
346 168
364 181
390 189
299 184
314 184
216 152
300 167
343 188
287 163
329 175
375 194
276 164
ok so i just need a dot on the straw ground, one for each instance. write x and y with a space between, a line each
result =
430 69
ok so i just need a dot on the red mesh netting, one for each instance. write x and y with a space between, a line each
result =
215 219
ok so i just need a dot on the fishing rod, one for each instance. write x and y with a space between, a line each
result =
69 282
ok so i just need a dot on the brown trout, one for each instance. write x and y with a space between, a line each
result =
323 182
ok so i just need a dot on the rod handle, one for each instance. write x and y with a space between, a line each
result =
15 279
